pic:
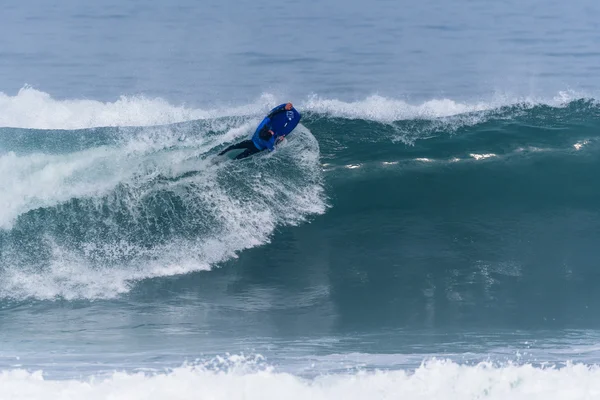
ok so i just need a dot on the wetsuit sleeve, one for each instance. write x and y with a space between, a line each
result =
270 144
276 110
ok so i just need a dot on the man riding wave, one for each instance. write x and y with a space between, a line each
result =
264 138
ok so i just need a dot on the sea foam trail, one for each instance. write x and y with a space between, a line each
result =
439 380
90 224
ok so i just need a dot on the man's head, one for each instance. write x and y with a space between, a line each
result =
266 133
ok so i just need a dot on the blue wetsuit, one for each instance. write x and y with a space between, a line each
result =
257 144
260 143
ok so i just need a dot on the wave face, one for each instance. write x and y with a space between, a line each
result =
403 214
88 212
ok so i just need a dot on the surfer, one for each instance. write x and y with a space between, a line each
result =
264 137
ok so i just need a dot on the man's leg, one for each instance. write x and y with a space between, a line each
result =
246 144
248 152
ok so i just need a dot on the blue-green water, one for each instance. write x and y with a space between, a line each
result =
430 230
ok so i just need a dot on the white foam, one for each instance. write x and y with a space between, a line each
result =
383 109
532 149
32 108
70 276
36 180
39 180
482 156
579 145
435 380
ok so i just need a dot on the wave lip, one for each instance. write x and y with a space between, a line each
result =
383 109
34 109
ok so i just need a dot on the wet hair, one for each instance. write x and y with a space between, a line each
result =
264 133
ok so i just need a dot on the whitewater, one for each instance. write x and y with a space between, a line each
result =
433 380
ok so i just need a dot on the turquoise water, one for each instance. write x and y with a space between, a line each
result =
428 231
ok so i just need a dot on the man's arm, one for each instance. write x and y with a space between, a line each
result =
280 108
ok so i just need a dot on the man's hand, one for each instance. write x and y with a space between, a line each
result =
280 139
288 106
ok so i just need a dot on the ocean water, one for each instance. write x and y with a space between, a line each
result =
429 231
